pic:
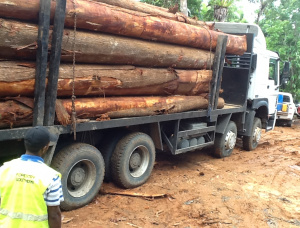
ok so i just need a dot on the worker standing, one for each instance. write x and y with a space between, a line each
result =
30 191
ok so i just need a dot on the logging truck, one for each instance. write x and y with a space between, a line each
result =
122 149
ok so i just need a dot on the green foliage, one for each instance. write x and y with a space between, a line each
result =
194 6
222 3
234 13
281 26
162 3
204 11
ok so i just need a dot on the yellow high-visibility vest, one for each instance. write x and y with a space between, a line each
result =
22 185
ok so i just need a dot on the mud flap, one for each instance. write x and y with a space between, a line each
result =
271 122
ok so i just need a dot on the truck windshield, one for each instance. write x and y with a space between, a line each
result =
273 70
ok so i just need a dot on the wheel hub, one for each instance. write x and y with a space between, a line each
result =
135 161
257 135
77 176
230 140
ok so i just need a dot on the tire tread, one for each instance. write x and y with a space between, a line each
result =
247 140
68 154
117 157
220 140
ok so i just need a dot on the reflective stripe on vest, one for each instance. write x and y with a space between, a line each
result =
26 217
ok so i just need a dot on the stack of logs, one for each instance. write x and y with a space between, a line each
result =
132 59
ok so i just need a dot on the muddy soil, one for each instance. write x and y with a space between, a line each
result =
248 189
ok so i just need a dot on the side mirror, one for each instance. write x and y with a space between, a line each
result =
285 75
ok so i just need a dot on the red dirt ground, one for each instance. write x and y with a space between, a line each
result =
248 189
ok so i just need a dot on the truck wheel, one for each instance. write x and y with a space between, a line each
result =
251 142
289 123
107 147
225 143
82 169
278 123
133 160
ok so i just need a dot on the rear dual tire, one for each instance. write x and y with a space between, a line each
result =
107 147
133 160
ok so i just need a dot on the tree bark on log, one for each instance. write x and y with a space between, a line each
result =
18 41
105 80
101 17
18 111
156 11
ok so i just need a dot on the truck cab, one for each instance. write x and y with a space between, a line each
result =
264 74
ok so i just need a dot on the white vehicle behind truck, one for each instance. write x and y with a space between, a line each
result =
285 109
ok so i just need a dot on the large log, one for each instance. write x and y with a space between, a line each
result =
17 78
116 107
18 40
98 16
18 111
156 11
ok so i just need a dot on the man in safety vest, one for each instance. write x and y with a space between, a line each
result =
30 191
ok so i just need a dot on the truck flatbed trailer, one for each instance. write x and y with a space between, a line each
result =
19 133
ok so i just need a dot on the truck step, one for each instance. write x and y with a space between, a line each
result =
192 125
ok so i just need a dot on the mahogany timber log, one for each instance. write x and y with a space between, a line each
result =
105 80
18 111
101 17
24 13
156 11
18 41
116 107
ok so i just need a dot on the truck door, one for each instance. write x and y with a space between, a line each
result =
273 84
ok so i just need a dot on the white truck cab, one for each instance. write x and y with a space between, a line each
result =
264 77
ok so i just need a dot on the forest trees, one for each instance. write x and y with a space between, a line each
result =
281 26
193 6
263 5
221 9
228 11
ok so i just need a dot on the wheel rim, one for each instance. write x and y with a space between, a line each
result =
257 135
139 161
81 178
230 140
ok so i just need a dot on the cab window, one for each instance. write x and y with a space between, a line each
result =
273 70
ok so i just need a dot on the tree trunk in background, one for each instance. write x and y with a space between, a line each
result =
220 13
101 17
263 5
105 80
184 8
18 41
